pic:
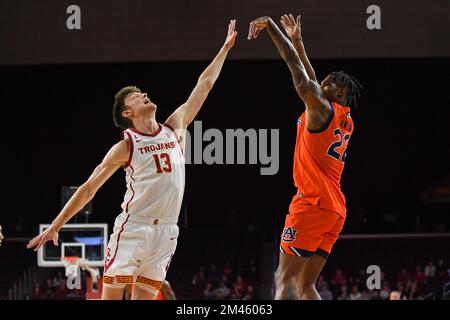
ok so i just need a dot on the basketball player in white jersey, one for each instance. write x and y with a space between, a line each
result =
145 233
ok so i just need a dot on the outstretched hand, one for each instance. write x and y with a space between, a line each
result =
231 35
257 25
49 234
292 26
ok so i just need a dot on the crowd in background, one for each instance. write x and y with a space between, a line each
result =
236 282
409 284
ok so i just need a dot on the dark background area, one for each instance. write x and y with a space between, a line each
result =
185 30
57 126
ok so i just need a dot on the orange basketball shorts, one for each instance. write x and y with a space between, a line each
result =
311 231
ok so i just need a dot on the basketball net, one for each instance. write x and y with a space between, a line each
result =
71 265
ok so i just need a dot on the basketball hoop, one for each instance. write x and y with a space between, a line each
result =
71 265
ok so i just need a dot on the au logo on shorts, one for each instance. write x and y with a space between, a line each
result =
289 234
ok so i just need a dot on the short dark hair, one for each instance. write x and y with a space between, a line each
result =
119 107
349 83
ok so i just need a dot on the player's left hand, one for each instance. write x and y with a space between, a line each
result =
49 234
231 35
257 25
292 26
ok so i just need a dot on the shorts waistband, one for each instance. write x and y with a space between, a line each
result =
152 220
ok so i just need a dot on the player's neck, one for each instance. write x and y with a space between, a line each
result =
146 124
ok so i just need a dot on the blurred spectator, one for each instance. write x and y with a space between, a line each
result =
48 289
208 293
238 288
338 278
355 295
199 277
320 283
57 279
361 278
372 295
430 269
384 293
198 283
37 294
400 287
222 292
225 280
213 274
412 292
441 270
419 276
61 291
227 270
344 293
366 295
324 292
395 295
249 293
404 277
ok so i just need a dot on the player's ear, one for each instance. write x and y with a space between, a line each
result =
341 93
126 113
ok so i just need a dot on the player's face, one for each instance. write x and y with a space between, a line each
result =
331 91
137 101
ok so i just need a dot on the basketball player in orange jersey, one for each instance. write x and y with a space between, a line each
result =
317 211
145 233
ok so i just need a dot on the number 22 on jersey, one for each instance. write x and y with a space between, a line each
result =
342 139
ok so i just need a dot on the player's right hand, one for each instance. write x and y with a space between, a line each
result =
49 234
231 35
257 25
292 26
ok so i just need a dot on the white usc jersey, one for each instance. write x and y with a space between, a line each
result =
155 174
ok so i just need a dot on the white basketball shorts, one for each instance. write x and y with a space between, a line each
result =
139 252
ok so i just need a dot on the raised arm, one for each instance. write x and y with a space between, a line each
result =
293 29
186 113
317 107
114 159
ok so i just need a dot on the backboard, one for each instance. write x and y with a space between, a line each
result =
88 241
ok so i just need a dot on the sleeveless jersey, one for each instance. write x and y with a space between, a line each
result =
155 174
319 159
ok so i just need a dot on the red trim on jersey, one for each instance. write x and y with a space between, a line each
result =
117 246
131 187
175 134
148 134
169 126
131 148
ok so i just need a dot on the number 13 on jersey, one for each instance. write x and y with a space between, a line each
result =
167 163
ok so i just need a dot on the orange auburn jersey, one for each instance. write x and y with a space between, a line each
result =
319 160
